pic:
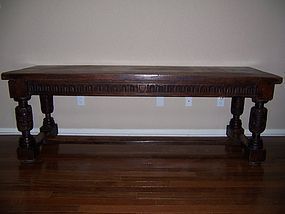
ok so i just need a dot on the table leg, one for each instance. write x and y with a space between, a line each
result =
257 124
49 127
234 129
28 149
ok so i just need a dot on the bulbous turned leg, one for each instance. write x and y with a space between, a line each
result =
257 124
234 129
28 150
49 127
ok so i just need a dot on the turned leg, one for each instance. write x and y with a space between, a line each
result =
234 129
28 150
49 127
257 124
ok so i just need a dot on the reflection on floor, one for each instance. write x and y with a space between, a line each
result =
131 175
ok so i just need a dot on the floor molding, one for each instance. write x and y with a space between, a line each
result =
144 132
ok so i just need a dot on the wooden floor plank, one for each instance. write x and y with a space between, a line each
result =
113 175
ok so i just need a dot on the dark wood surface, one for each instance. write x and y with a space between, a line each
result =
115 72
142 81
171 81
161 175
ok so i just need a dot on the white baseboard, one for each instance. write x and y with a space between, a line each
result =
145 132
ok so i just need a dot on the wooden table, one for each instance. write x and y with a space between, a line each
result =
168 81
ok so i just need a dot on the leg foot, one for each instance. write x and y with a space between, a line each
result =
50 128
257 156
28 152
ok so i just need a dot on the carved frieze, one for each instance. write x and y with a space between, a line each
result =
140 89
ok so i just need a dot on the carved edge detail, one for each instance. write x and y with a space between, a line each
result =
140 89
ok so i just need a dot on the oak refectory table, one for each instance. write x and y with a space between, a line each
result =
149 81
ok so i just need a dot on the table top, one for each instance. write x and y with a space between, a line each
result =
139 73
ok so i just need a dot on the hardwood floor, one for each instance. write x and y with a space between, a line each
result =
189 175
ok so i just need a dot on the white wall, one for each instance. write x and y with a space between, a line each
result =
146 32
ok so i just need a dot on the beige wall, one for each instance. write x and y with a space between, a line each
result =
148 32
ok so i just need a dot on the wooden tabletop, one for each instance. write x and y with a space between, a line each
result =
120 72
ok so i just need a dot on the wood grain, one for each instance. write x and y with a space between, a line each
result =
147 81
128 175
